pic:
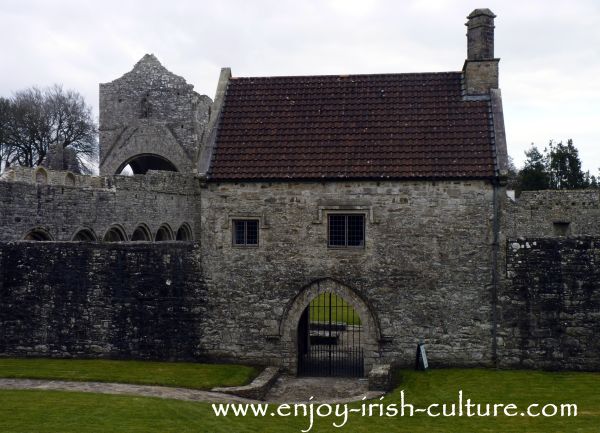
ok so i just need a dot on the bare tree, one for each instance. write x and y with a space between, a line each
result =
6 150
40 120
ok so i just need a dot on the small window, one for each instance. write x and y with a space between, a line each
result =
346 230
245 232
561 228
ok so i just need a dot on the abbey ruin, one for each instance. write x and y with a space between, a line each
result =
386 192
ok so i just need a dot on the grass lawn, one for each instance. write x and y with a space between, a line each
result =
50 411
341 311
183 374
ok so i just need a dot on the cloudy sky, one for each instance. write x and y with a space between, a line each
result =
549 50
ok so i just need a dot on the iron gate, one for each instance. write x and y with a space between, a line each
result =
329 339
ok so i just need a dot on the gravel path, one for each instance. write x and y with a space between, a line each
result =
286 389
122 388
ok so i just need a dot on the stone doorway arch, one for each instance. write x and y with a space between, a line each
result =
293 314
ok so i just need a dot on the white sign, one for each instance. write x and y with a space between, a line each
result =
423 356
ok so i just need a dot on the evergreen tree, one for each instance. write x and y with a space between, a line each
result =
534 175
558 167
565 167
590 180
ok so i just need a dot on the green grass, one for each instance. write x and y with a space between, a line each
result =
182 374
27 411
341 311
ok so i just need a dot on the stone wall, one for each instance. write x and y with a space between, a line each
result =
425 271
549 308
549 213
63 203
142 300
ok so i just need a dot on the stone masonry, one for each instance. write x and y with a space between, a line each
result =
74 299
550 310
61 203
424 272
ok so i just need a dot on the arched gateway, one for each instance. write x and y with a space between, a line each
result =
329 330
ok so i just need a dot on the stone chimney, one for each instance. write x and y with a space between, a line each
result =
481 68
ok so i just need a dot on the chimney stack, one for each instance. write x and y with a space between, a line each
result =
481 68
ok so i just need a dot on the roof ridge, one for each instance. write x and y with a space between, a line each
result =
349 75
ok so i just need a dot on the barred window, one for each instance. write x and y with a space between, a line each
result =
346 230
245 232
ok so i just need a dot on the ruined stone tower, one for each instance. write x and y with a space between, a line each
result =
150 119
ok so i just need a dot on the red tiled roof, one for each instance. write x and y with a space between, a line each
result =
350 127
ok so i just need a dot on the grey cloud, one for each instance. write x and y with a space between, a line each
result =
549 49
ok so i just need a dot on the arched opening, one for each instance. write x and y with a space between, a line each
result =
115 234
37 234
140 164
296 316
85 235
41 176
70 179
164 233
329 338
184 233
141 234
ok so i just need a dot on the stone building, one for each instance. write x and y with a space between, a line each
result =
324 224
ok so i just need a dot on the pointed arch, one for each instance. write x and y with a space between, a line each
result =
140 164
293 311
38 234
40 176
141 234
145 137
70 179
84 234
184 233
164 233
115 233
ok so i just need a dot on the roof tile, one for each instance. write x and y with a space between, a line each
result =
356 126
